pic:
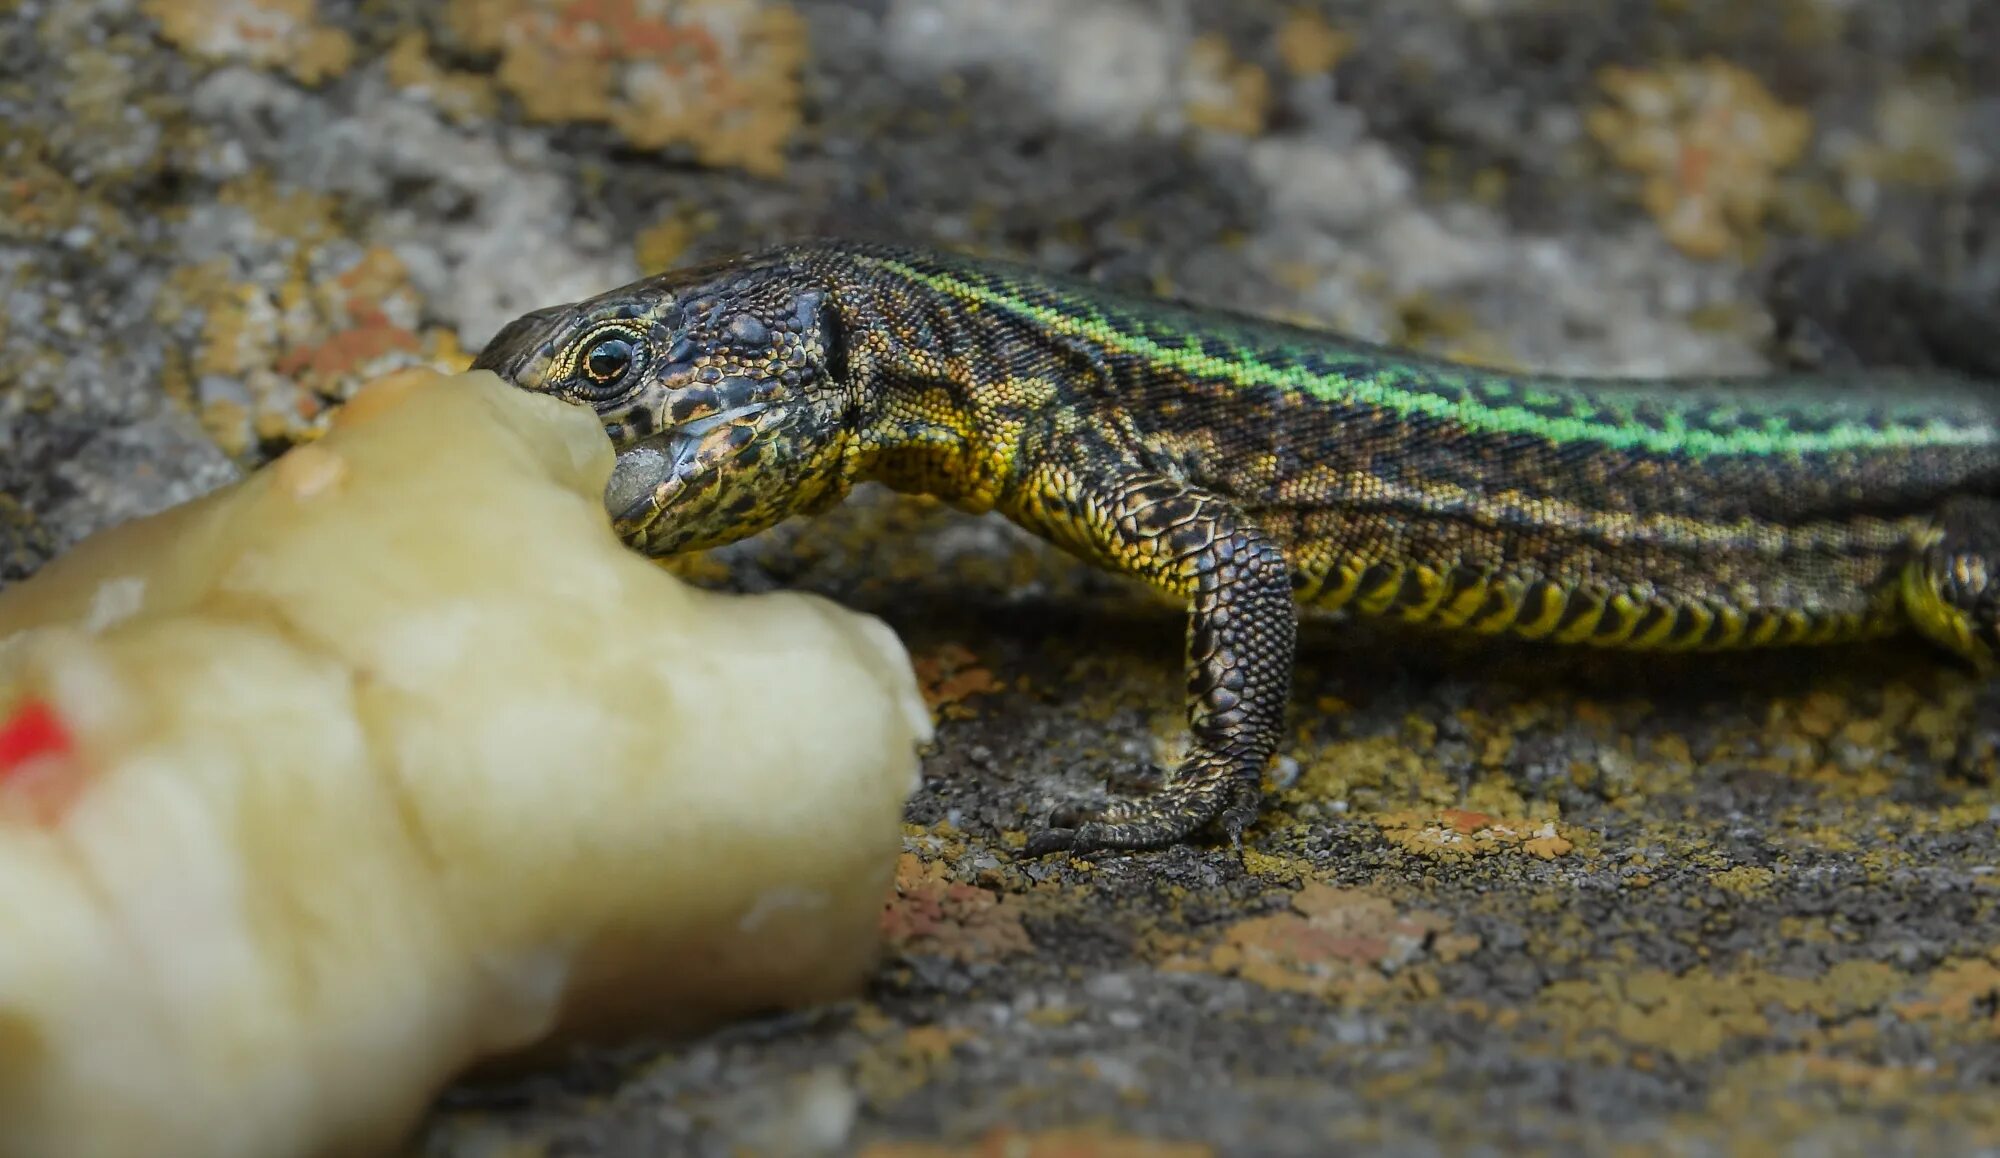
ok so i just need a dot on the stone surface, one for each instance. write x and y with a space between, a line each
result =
1506 898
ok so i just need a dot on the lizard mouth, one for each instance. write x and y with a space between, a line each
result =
646 476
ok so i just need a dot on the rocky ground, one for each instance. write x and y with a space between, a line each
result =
1506 900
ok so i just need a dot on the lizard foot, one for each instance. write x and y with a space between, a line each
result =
1194 797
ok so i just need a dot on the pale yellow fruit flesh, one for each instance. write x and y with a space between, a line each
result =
390 759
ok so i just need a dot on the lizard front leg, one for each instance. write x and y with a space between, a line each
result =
1240 642
1951 591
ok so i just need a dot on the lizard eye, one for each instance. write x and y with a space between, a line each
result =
609 358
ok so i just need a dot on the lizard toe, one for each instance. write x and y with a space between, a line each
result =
1077 813
1050 840
1244 808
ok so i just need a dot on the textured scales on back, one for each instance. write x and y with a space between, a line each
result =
1697 419
1249 466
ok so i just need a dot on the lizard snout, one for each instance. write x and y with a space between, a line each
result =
521 351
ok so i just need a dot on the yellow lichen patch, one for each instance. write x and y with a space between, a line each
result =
1940 721
1384 764
1225 94
949 676
308 340
1765 1090
1826 838
288 213
1746 881
1820 714
1692 1015
1003 1142
463 96
934 1043
266 33
933 915
1832 723
1710 140
100 97
1964 991
348 326
718 76
1336 943
1499 795
1286 869
1872 782
1797 930
1458 833
1974 813
903 1061
1767 1104
38 202
941 841
1308 46
227 423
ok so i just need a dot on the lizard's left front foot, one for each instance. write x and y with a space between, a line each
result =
1952 592
1202 791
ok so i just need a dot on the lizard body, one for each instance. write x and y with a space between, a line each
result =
1250 467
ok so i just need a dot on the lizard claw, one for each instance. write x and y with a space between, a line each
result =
1245 806
1075 814
1069 826
1123 825
1163 817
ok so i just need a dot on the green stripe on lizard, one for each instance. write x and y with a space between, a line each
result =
1381 388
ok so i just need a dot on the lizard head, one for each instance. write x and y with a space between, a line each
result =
721 388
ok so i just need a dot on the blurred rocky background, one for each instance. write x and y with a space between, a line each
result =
1507 900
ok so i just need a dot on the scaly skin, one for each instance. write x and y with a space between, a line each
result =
1247 467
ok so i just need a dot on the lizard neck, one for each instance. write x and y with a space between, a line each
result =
928 413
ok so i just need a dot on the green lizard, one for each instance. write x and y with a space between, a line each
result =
1249 467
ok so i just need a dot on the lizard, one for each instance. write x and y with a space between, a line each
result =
1251 468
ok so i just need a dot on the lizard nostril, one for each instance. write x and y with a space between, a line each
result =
518 345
